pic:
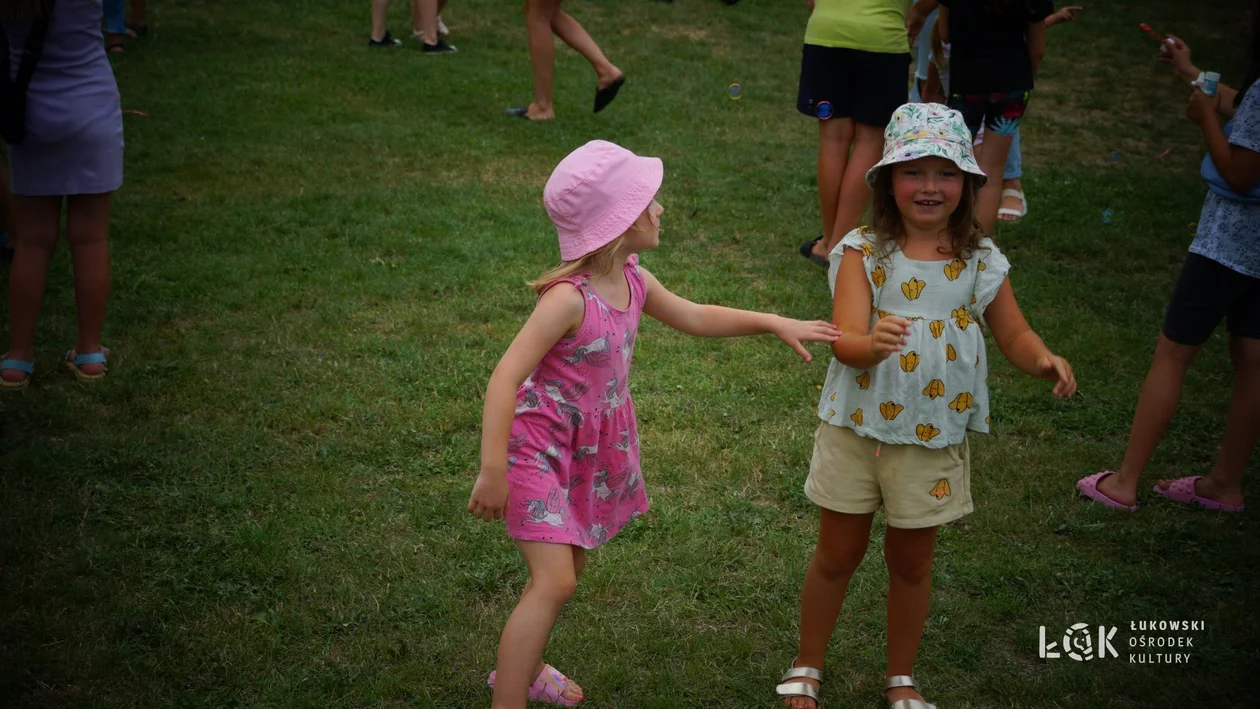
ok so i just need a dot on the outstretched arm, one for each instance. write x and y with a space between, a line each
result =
1022 347
717 321
559 313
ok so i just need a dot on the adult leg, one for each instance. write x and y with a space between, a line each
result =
87 231
379 8
908 553
835 138
1242 427
868 147
992 159
539 15
1011 175
1156 405
842 542
552 581
7 219
38 221
568 29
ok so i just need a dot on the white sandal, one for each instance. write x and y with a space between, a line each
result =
1017 213
905 681
800 689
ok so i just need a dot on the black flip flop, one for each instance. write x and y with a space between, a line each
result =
604 96
517 112
807 250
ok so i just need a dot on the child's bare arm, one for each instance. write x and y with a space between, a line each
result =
861 347
1239 166
1066 14
1022 347
717 321
559 313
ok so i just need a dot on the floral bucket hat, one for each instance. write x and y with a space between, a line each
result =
920 130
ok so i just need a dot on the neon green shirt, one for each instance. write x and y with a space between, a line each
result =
868 25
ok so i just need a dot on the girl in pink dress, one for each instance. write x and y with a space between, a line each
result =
559 444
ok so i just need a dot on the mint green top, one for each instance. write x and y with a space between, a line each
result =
868 25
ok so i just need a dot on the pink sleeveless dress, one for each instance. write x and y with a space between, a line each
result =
573 455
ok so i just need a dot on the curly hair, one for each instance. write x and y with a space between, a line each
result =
965 232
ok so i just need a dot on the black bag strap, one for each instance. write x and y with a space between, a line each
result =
31 53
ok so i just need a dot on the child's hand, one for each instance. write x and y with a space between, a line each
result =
1066 14
888 335
1177 55
1057 369
1201 107
794 332
489 496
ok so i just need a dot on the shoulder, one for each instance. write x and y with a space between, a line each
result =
862 239
563 296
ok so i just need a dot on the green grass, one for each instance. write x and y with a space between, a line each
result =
319 255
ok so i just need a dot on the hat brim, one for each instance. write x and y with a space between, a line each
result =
925 148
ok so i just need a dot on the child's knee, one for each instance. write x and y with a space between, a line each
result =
1244 352
839 561
911 566
556 588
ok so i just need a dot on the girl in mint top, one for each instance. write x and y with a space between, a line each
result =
935 389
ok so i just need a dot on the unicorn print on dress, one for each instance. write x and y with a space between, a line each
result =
531 401
624 444
584 452
590 295
613 397
562 395
605 486
574 481
632 484
550 512
597 534
541 458
594 354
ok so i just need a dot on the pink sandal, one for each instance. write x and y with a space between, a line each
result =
548 688
1089 488
1182 490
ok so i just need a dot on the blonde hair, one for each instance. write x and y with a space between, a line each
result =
597 263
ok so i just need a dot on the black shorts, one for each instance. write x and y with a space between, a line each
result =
999 113
837 82
1205 293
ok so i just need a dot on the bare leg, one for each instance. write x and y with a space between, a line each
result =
87 230
1155 408
1242 427
8 221
38 224
992 159
835 138
568 29
552 580
842 542
908 553
378 18
137 11
539 15
868 148
428 14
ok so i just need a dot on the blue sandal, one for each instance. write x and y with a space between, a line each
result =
76 361
21 365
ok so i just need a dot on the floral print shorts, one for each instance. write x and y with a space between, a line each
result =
998 112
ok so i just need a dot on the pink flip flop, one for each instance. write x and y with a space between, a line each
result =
1182 490
548 688
1089 488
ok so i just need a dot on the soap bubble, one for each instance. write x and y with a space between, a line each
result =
735 91
823 110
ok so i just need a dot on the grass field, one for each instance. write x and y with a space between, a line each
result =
319 255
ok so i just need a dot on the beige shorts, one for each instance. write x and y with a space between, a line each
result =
918 486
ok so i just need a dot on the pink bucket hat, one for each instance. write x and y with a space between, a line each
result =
596 193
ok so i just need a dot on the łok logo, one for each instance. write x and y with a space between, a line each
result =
1078 643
